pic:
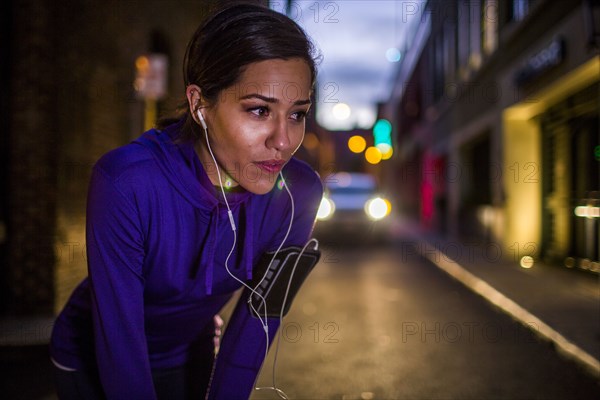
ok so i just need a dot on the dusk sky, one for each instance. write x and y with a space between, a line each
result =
362 42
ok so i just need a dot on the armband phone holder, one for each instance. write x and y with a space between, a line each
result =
277 279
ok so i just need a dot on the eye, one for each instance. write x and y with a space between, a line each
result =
260 111
299 116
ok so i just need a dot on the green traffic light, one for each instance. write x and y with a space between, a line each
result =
382 131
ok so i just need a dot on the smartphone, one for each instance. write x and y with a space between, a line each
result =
278 274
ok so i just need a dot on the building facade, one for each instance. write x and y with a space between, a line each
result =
496 115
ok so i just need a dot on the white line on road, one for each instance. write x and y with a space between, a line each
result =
482 288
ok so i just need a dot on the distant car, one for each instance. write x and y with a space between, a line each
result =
352 205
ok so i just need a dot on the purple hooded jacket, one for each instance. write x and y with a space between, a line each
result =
158 234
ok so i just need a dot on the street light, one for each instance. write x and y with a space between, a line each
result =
341 111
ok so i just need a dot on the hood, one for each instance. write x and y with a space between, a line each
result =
186 174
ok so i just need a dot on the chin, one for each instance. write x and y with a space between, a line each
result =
259 187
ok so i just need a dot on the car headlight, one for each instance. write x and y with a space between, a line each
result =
378 208
326 209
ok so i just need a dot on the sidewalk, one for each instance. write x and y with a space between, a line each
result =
558 304
24 358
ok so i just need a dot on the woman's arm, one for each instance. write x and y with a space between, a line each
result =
115 254
241 354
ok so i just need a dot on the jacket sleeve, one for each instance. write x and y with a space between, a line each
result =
241 355
242 351
115 254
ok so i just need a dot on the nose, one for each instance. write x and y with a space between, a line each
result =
279 139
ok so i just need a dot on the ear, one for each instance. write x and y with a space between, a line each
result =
194 96
194 99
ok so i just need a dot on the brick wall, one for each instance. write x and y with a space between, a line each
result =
71 101
5 79
32 160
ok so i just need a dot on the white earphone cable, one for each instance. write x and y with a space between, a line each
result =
253 291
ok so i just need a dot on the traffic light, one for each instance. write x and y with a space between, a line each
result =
382 132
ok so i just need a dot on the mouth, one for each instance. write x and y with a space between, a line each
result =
271 166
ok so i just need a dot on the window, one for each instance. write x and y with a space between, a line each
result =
520 9
470 28
463 33
449 53
438 66
474 22
490 26
517 9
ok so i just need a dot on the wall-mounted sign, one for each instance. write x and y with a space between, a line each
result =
547 58
151 76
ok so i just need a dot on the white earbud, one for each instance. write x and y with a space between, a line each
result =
201 118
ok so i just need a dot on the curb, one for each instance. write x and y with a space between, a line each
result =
540 328
28 331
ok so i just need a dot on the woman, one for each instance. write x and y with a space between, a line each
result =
177 219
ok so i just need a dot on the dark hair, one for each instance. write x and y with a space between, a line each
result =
230 39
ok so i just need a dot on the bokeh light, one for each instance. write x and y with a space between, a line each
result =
357 144
373 155
378 208
142 63
526 262
393 54
311 141
386 151
343 179
326 209
341 111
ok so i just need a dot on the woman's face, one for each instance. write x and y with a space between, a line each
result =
257 124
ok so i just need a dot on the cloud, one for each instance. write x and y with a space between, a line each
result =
353 37
346 72
356 83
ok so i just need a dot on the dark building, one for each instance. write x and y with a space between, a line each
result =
496 115
68 71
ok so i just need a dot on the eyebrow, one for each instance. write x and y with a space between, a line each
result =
272 99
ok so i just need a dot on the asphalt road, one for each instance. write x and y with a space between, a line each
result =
371 324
